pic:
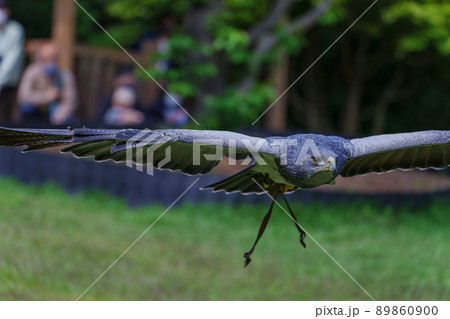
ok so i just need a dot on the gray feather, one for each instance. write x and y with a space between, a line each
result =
383 153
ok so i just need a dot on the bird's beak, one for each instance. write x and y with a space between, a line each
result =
329 167
326 168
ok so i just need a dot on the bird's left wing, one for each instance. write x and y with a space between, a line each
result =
382 153
191 151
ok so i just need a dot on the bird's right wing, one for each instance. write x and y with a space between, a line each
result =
383 153
191 151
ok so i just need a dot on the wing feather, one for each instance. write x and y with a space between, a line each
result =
383 153
33 137
143 146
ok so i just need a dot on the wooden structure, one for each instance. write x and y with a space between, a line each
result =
95 69
63 30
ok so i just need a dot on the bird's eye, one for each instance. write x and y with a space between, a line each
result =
331 161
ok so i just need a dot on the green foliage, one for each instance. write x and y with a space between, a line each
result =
336 14
235 108
291 43
126 34
427 23
148 11
233 42
87 31
404 27
240 13
182 78
53 245
229 43
412 35
405 37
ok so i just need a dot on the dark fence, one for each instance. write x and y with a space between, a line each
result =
164 187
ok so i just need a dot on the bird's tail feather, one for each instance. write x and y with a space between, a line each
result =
241 182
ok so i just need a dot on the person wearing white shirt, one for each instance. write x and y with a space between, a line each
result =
12 38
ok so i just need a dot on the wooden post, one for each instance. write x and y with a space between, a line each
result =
63 31
276 118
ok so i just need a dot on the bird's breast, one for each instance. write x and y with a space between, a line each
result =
305 177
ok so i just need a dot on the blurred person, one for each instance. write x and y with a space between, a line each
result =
122 111
124 78
12 38
46 91
171 113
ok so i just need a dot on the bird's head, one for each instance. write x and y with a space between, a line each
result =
330 165
314 171
314 160
321 171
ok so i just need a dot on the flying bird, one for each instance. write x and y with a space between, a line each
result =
279 165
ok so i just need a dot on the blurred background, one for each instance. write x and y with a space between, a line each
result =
225 62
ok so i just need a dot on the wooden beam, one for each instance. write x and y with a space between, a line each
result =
63 31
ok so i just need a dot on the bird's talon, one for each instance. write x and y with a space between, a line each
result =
302 242
247 258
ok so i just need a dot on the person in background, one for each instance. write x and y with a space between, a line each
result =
172 114
122 110
125 78
12 38
46 91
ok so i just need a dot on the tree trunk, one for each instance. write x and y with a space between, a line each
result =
354 69
317 118
275 119
352 118
387 97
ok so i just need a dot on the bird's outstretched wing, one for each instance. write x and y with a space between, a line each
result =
382 153
185 150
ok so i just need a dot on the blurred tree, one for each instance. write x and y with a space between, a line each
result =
389 72
223 50
35 16
126 34
379 63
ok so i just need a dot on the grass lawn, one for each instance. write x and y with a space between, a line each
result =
54 245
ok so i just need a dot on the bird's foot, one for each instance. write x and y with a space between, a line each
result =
260 233
302 237
247 257
297 225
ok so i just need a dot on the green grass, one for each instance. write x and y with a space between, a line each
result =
54 245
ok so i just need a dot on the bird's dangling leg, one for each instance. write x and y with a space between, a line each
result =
300 230
260 233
